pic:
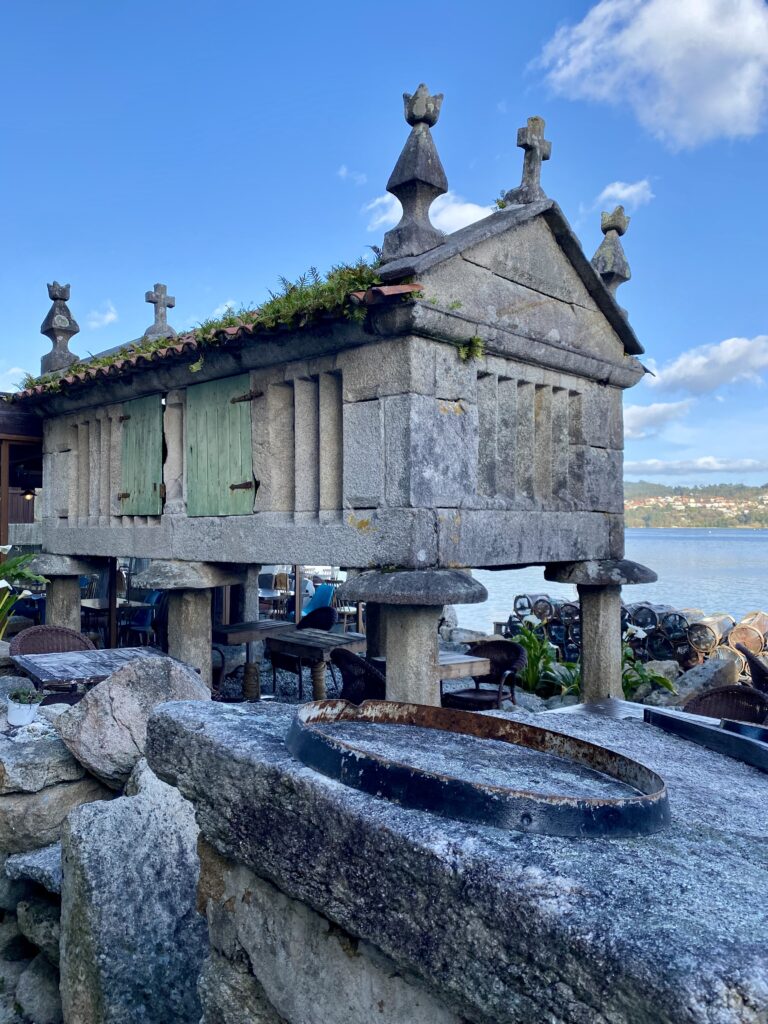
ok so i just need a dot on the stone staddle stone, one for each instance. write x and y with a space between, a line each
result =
602 572
430 587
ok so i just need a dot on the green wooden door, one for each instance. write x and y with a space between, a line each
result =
219 450
142 463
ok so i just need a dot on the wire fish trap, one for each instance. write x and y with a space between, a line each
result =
522 604
646 616
724 652
704 636
675 624
751 632
603 793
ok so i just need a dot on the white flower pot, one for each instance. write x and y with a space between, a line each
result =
21 714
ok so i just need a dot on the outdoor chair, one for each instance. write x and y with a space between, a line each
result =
320 618
360 680
49 640
140 627
758 669
741 703
507 658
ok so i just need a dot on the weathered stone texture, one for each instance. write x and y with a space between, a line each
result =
710 674
37 992
31 820
230 994
42 866
107 730
507 928
308 969
29 765
12 888
363 455
131 940
40 922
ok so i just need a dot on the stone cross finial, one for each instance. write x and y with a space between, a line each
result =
417 180
609 260
537 148
162 302
59 326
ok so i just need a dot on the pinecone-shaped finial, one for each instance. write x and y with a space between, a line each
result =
59 326
609 260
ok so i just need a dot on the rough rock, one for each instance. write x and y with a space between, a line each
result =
413 587
706 676
231 995
31 820
552 703
37 992
515 928
42 866
40 922
7 667
669 669
131 940
529 701
14 947
10 683
33 757
107 730
448 622
12 889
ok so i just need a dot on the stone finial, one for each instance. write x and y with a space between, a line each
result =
59 326
537 148
417 180
162 302
609 260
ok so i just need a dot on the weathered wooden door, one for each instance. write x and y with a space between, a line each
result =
142 461
219 449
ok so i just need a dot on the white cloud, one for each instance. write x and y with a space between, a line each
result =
648 420
356 177
692 70
704 369
448 213
705 464
101 317
222 308
10 378
629 194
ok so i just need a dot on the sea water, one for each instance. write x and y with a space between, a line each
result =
715 570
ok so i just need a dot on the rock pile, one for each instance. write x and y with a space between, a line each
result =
124 878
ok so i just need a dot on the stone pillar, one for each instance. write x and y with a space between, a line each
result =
599 585
62 602
189 629
189 605
375 630
254 651
407 607
173 468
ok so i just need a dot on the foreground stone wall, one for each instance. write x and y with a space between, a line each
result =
498 927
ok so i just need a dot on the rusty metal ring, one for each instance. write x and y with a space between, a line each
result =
643 812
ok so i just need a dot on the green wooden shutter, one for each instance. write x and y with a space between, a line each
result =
219 449
142 463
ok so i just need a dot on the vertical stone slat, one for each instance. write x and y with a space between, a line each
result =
559 444
83 469
72 477
307 445
525 440
542 457
94 469
576 448
282 452
331 443
104 467
487 414
506 467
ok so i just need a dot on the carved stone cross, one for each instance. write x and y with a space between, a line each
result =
162 302
537 148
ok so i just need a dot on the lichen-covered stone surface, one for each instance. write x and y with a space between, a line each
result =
31 820
505 927
42 866
37 992
132 941
106 731
39 922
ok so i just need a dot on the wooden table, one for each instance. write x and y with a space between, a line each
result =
315 646
248 633
450 665
79 667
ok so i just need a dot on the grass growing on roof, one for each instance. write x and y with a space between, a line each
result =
297 304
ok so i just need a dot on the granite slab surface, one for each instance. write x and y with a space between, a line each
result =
507 927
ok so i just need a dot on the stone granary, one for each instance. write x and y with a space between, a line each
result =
458 405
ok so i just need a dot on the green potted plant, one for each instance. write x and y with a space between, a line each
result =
22 706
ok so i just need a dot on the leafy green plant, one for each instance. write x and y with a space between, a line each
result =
634 674
14 572
472 349
25 696
540 657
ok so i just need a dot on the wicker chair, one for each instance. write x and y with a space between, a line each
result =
49 640
758 669
360 680
507 658
320 618
741 703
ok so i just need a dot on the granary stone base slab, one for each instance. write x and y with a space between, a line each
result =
308 970
505 927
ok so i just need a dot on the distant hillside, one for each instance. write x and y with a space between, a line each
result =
712 505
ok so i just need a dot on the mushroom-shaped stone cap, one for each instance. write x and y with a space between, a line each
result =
602 572
414 587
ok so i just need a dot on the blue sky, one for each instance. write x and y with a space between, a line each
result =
215 147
